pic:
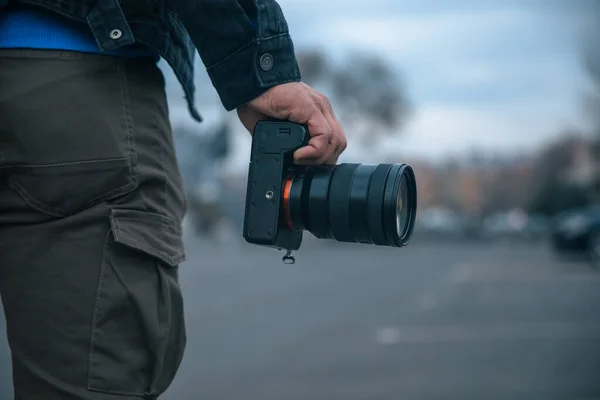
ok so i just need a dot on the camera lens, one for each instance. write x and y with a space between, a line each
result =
362 203
401 207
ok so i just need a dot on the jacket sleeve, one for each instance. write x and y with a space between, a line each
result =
244 44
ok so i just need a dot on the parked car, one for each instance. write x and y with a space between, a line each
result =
578 232
515 225
438 223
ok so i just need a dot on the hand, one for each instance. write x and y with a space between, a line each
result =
298 102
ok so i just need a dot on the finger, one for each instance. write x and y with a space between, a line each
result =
338 140
329 157
317 149
341 142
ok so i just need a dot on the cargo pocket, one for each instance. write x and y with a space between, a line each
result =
138 329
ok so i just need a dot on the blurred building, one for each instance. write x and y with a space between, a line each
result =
582 168
470 191
584 171
487 185
596 178
425 176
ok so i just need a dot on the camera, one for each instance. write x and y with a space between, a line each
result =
361 203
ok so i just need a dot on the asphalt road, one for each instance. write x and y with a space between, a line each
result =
430 321
355 322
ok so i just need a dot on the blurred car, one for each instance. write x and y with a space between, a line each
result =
515 225
537 227
504 225
578 231
438 223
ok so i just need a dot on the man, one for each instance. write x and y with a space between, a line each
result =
91 199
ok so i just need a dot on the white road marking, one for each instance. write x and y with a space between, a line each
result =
438 334
534 278
514 272
387 336
520 272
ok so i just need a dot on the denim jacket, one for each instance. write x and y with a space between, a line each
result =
243 59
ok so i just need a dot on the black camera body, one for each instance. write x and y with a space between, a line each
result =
271 161
353 203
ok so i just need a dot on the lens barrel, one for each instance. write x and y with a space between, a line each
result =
364 203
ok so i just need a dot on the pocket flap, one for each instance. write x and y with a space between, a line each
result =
151 233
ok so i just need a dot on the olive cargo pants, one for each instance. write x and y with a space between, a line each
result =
91 204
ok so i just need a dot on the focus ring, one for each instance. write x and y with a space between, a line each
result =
318 202
359 192
375 204
339 204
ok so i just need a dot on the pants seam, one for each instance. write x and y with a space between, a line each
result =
126 105
97 309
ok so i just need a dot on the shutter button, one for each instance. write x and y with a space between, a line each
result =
266 62
116 34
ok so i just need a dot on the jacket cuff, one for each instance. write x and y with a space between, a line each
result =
253 69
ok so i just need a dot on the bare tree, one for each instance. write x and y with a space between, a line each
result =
508 187
591 63
314 66
551 191
368 95
367 86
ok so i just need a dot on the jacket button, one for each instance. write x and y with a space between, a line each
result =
266 62
116 34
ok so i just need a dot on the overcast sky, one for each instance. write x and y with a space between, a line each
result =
491 74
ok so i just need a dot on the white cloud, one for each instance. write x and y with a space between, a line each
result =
439 130
412 35
467 73
521 64
522 60
454 50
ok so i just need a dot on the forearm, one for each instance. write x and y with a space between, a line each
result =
244 44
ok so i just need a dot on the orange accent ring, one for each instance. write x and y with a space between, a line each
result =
287 188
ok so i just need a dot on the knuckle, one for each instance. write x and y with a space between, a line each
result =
343 144
324 100
319 98
314 109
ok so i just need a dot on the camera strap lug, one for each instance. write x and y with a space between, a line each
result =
288 258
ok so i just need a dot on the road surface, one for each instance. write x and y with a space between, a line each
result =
354 322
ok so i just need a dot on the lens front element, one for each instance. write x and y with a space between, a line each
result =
402 207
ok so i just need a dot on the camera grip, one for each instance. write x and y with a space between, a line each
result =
273 145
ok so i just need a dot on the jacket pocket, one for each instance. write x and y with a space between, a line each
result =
138 329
